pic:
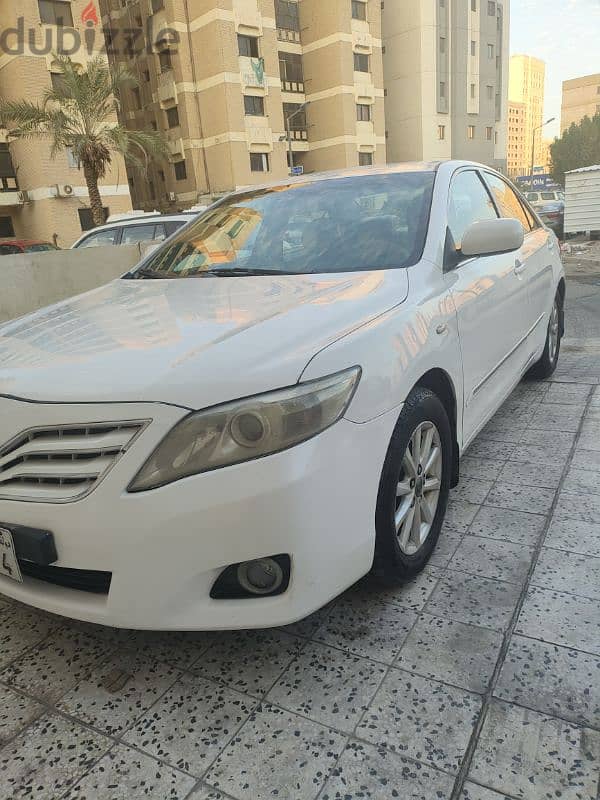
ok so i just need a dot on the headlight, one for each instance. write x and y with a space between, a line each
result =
248 429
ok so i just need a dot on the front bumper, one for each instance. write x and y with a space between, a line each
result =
165 548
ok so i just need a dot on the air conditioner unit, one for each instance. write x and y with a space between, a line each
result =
64 190
24 197
172 197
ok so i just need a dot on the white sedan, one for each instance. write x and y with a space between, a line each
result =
274 402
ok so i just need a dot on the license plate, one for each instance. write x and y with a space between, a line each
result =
9 566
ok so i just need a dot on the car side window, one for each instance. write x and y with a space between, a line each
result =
174 226
132 234
469 202
9 249
100 238
507 201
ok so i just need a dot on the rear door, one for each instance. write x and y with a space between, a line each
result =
491 304
535 260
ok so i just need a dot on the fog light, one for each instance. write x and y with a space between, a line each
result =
262 576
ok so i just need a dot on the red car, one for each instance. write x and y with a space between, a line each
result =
10 247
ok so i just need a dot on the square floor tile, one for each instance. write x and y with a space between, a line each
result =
57 665
421 719
308 626
567 394
556 417
412 594
48 758
449 651
574 535
277 754
535 757
460 514
20 630
474 600
490 558
445 547
176 648
582 480
568 572
365 771
367 627
473 490
191 724
249 661
499 451
560 441
206 793
473 792
505 525
502 429
118 691
525 475
553 680
578 505
486 469
521 498
561 619
16 712
329 686
125 774
540 454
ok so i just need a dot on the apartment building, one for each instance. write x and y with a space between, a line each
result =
526 87
251 88
43 197
445 68
580 98
517 150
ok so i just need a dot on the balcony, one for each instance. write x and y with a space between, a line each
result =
10 198
286 35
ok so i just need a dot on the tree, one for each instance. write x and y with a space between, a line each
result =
78 114
579 146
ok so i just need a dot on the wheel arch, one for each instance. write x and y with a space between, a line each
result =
562 293
440 383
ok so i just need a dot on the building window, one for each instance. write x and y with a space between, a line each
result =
259 162
248 46
496 138
490 51
359 9
442 44
443 90
361 62
58 81
297 118
471 132
363 112
472 91
490 92
157 5
473 47
180 170
489 132
166 62
154 125
597 89
56 12
491 8
137 97
146 74
365 159
173 117
286 15
473 5
254 106
291 72
86 221
441 132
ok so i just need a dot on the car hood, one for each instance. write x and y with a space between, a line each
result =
187 342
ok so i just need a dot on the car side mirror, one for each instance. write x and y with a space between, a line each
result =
493 236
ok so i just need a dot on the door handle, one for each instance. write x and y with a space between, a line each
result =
520 266
441 329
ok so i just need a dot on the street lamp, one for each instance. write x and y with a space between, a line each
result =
288 133
535 130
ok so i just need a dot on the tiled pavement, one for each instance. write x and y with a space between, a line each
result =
478 681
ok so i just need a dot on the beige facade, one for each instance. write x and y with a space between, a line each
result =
517 151
223 91
43 197
445 75
580 98
526 86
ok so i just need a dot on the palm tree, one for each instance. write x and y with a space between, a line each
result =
78 114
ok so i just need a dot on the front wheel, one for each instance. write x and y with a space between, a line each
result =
414 488
545 367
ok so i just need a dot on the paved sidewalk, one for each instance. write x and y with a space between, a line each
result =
478 681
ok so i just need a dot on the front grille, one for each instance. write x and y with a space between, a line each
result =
62 464
84 580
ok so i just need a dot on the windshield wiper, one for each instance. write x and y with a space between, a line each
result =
148 272
235 272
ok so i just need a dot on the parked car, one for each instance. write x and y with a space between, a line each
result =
553 215
236 431
132 229
538 198
12 247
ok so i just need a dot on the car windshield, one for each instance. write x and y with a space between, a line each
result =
333 225
548 196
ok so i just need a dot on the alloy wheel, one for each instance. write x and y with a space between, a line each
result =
553 332
418 490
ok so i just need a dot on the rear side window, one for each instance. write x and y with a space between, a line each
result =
38 248
507 201
469 202
9 249
171 227
132 234
100 239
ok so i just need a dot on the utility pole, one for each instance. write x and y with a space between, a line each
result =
535 130
288 134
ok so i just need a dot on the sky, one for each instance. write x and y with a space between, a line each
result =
563 33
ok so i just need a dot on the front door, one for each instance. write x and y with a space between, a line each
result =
492 306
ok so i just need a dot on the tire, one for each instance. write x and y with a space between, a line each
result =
545 367
398 558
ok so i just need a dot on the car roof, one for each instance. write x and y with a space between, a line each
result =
147 219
